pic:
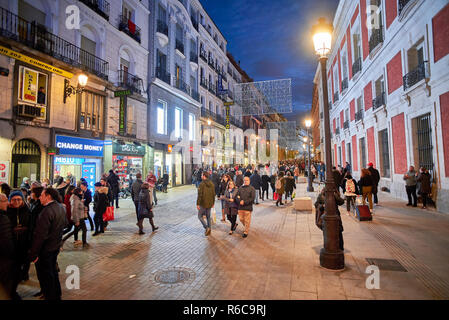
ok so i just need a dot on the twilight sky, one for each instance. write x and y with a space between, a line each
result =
272 40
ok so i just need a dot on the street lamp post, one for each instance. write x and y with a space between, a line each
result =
309 175
331 256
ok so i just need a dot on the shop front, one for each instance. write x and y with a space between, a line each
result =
167 161
127 159
80 157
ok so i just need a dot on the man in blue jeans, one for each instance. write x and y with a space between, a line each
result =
205 200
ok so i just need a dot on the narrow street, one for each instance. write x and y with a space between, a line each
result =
279 259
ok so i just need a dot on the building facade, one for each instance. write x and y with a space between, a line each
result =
388 90
50 128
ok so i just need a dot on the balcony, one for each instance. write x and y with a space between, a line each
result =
212 88
129 81
211 63
180 46
193 57
203 83
357 66
162 27
346 124
195 95
37 37
194 22
205 113
336 97
181 85
415 76
163 75
344 84
99 6
337 131
236 122
203 54
129 27
376 38
379 101
359 115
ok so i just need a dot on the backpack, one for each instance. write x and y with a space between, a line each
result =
350 186
278 184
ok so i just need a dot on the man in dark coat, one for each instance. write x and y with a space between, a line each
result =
87 199
114 182
101 202
6 252
376 178
256 183
215 178
20 219
265 182
245 198
425 189
47 242
205 201
239 179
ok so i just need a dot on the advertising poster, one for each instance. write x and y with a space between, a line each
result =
89 173
29 85
4 172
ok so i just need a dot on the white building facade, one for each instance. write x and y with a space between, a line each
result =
388 85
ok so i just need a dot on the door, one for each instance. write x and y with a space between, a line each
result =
178 169
26 161
169 168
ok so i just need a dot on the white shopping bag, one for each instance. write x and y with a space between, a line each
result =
213 216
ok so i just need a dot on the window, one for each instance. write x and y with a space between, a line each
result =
336 80
356 46
162 14
379 92
210 105
347 115
362 153
131 127
192 127
33 90
203 102
359 104
178 123
415 56
88 46
127 12
385 154
161 117
91 115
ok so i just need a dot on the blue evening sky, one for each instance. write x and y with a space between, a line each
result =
272 40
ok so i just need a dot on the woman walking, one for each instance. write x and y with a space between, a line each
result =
145 207
78 216
280 188
366 186
231 207
289 186
221 191
425 179
350 187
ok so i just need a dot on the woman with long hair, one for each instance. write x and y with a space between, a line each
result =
222 190
280 188
78 216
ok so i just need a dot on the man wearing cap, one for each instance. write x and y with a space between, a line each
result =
20 219
376 178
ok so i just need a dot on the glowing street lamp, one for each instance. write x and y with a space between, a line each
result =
331 256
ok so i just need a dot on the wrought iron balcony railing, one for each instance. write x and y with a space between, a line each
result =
163 75
203 54
376 38
336 96
37 37
129 27
379 101
205 113
337 131
346 124
180 46
212 88
359 115
203 83
344 84
195 95
402 4
181 85
193 57
357 66
415 76
101 7
129 81
211 63
162 27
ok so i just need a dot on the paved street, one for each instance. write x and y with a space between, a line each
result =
279 259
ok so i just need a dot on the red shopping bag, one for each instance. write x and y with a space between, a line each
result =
275 196
109 214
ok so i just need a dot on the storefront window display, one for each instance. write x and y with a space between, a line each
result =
127 160
158 161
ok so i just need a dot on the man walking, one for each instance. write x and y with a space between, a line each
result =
87 199
114 182
245 198
410 186
135 190
205 201
239 179
47 241
256 183
376 178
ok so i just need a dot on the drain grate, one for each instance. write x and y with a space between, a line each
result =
173 276
123 254
387 264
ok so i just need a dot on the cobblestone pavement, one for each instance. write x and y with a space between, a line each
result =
278 260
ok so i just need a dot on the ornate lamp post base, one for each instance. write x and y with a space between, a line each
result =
331 256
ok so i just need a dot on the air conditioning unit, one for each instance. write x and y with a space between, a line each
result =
29 111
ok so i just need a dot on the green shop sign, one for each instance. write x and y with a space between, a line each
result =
128 149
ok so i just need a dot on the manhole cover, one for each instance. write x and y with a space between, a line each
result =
386 264
174 276
123 254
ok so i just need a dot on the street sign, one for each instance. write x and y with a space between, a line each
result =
52 151
122 93
122 115
230 103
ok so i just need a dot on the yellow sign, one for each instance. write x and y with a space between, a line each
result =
18 56
29 86
169 148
